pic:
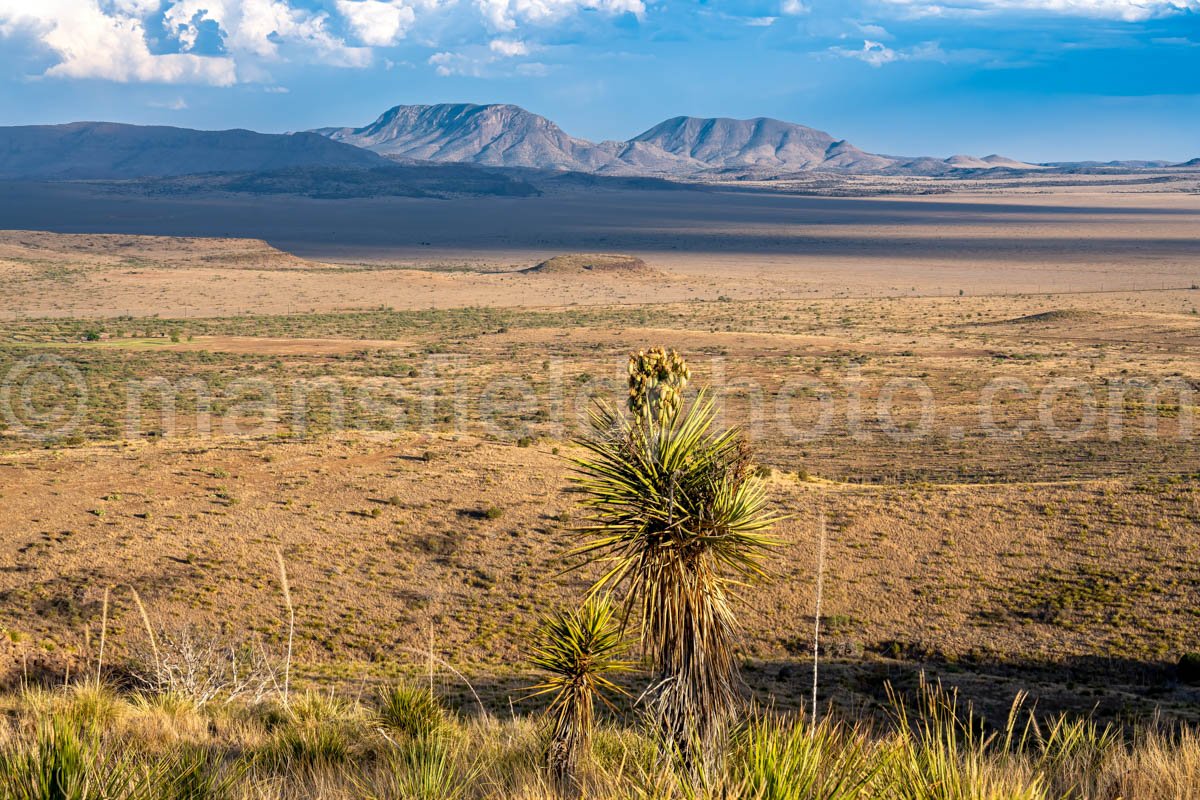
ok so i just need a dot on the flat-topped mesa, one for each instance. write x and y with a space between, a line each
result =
592 263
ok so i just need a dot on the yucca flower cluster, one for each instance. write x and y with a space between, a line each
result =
657 378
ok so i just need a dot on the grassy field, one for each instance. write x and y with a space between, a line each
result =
1067 556
88 742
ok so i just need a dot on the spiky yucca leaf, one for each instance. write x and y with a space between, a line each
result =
677 517
578 650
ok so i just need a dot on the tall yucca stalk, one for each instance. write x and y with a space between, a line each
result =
578 649
676 516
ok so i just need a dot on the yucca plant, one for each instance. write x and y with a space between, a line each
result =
676 516
578 650
64 763
430 767
410 710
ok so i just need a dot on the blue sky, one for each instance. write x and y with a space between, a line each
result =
1033 79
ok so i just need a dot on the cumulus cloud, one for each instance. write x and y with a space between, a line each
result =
1130 10
874 53
222 42
262 28
380 23
504 15
877 53
509 47
447 64
498 59
215 42
92 43
793 8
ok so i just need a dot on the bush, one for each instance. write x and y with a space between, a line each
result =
308 744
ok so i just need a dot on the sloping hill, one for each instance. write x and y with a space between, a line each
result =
722 143
107 150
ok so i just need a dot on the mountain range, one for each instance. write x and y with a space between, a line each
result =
509 136
402 151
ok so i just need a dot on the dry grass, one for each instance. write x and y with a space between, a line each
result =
328 748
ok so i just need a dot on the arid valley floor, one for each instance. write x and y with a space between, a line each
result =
986 393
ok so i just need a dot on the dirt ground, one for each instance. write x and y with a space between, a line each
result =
416 254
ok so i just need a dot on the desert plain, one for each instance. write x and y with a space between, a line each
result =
986 393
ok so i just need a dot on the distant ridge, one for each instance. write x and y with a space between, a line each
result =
109 150
510 136
454 149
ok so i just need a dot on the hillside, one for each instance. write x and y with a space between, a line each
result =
493 135
107 150
760 143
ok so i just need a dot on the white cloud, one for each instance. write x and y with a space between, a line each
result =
447 64
377 23
504 15
793 8
90 43
760 22
178 104
873 31
877 54
261 28
509 47
1131 10
223 42
495 60
874 53
110 39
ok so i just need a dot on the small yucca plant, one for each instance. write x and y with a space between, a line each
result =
64 763
676 516
431 767
578 650
410 710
